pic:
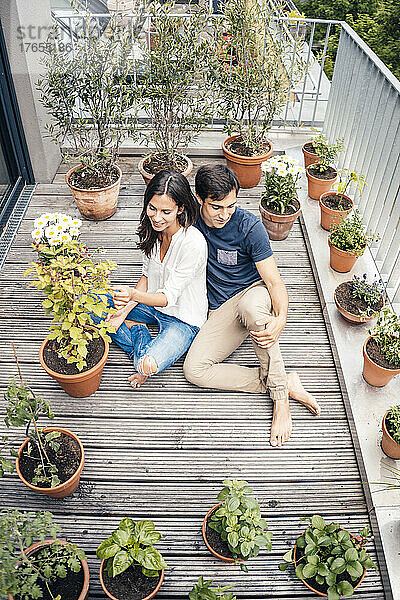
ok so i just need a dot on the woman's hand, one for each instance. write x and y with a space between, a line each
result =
121 295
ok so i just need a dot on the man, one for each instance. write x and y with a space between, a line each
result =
246 296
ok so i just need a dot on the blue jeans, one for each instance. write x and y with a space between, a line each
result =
173 339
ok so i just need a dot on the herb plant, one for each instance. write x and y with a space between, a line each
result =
281 176
393 421
350 235
68 276
20 574
202 590
371 293
327 153
238 521
329 556
386 333
132 544
347 177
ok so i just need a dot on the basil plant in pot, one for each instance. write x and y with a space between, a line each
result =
129 560
328 559
49 568
279 205
233 530
358 300
391 432
254 89
381 349
347 241
335 205
322 174
175 86
91 104
75 286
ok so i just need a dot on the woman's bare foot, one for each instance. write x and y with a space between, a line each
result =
130 323
281 427
137 379
297 392
119 317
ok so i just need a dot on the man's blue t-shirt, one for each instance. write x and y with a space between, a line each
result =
232 252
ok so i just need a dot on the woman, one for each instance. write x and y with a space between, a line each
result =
171 292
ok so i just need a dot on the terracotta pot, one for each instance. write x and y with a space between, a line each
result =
340 260
313 589
330 216
309 157
64 489
348 316
373 373
389 446
247 168
277 226
85 587
148 176
317 187
99 204
82 384
153 593
203 530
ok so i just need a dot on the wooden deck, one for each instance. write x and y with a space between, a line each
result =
161 452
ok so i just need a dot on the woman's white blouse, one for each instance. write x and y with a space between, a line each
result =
181 276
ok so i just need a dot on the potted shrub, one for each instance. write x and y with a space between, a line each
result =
310 148
347 241
76 350
50 460
184 53
89 96
279 205
254 90
321 175
382 349
130 559
359 301
336 206
391 432
202 590
50 568
233 529
329 560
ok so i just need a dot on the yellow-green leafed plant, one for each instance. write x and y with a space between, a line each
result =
76 288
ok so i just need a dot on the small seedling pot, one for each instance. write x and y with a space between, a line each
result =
149 176
340 260
247 168
64 489
97 204
390 447
373 373
277 226
317 186
330 216
105 590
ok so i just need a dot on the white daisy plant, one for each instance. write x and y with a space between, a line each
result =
54 229
281 174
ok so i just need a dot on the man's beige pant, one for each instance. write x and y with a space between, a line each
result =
226 328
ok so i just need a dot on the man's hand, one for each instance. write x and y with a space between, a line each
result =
268 336
121 295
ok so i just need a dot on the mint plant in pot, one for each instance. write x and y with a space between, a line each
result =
233 530
358 300
391 432
183 55
381 350
347 241
328 559
322 174
131 567
279 205
91 103
76 350
335 206
49 568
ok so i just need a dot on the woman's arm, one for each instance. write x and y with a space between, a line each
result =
124 293
142 284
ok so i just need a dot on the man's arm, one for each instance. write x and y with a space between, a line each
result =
274 324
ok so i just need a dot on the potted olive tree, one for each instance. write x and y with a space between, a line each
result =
202 590
328 559
130 559
347 241
322 174
76 350
358 300
382 349
175 86
335 205
233 530
253 91
279 205
391 432
50 568
90 99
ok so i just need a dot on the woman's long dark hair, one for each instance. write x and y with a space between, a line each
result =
177 187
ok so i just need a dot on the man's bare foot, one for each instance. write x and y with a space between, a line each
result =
137 380
297 392
119 317
281 427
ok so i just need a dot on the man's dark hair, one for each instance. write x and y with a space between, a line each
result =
215 182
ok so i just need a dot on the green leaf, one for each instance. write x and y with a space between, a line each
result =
323 569
338 565
146 534
345 588
284 566
120 537
245 549
150 572
107 549
233 539
233 504
152 559
121 561
288 556
333 594
351 555
127 525
224 493
318 522
354 569
299 572
309 571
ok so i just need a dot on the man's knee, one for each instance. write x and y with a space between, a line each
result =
147 365
253 308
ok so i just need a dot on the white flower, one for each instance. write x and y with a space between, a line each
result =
50 233
54 241
74 233
65 237
76 223
37 234
282 172
266 166
65 220
40 222
59 227
56 216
